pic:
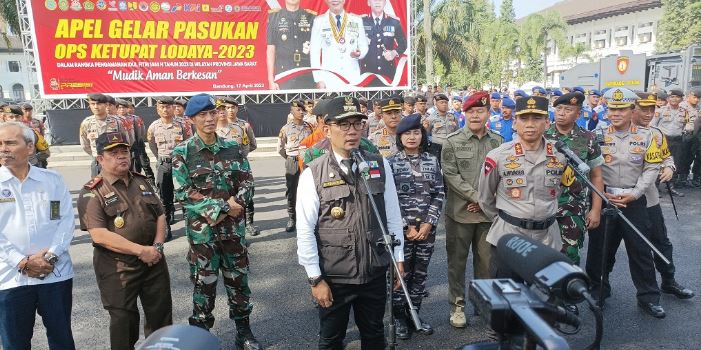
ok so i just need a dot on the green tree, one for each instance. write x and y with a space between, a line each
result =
536 33
680 18
8 12
576 51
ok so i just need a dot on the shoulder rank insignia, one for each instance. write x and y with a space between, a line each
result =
518 148
549 148
92 183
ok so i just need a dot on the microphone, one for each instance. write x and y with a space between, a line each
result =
543 266
564 149
363 166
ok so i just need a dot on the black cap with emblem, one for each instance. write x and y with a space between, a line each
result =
108 141
99 98
164 100
343 107
532 105
297 103
391 104
571 99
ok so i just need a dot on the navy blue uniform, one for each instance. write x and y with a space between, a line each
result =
290 33
383 35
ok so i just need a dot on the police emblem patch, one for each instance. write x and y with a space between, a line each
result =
6 193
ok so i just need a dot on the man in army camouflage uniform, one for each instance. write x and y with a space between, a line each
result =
466 224
289 139
385 139
419 182
233 128
95 125
288 37
572 214
212 181
440 123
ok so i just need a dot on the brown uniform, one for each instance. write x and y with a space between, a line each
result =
122 278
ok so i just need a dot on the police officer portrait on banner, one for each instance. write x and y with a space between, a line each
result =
387 43
339 239
288 37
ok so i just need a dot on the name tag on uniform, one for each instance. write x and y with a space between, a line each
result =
55 207
333 183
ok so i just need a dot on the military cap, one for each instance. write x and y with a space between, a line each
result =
410 122
538 91
594 92
410 100
557 93
13 109
111 100
164 100
457 98
309 101
520 93
228 100
27 106
199 103
532 105
495 96
391 104
376 102
477 99
320 107
572 99
507 102
361 100
421 98
121 102
297 103
695 91
646 99
620 98
108 141
440 97
3 104
180 102
99 98
661 94
579 89
676 92
343 107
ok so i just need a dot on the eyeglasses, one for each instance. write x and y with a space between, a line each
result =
345 126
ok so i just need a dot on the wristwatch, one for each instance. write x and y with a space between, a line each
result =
314 281
159 247
226 208
51 258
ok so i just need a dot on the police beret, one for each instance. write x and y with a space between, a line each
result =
362 101
676 92
620 98
13 109
557 92
410 122
109 140
111 100
440 97
495 96
457 98
507 102
477 99
309 101
532 105
661 94
421 98
297 103
571 99
579 89
320 107
538 91
646 99
342 107
695 91
520 93
180 102
121 102
228 100
27 106
594 92
410 100
391 104
164 100
199 103
99 98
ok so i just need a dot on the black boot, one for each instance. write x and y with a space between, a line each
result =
401 329
426 328
674 288
170 215
291 224
244 336
251 229
169 233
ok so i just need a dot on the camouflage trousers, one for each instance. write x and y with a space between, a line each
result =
231 257
417 256
572 230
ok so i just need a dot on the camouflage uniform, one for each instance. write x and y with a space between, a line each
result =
385 142
205 176
90 129
573 201
419 183
323 146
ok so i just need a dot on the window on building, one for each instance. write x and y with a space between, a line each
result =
600 32
645 25
621 28
13 66
644 38
599 44
622 41
18 92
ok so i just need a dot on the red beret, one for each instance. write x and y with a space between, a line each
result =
477 99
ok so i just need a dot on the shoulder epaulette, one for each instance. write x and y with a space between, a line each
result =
274 10
456 132
93 183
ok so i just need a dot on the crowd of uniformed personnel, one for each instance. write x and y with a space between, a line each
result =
486 159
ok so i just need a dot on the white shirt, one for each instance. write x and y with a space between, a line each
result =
26 225
308 214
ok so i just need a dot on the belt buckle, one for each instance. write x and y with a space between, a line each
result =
528 224
297 58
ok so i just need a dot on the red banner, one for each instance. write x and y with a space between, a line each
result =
128 48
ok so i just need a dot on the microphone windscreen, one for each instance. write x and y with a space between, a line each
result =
525 257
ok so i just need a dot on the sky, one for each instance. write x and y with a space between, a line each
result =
526 7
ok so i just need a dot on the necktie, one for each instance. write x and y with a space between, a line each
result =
338 22
351 174
377 22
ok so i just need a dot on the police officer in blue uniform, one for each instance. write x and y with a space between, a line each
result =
504 125
387 42
495 109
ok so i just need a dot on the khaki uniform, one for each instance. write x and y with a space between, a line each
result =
440 127
525 185
91 128
374 124
241 132
122 278
289 140
385 142
462 155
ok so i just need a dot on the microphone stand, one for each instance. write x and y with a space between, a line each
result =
609 213
389 243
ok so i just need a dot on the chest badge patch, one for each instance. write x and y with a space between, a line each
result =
338 213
